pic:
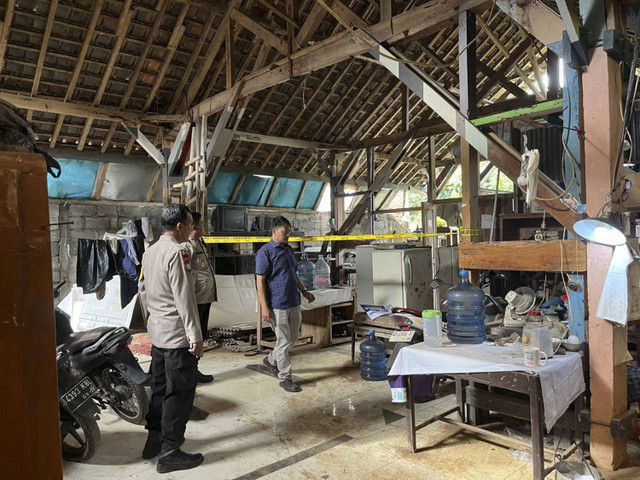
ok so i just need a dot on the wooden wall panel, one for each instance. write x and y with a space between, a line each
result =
29 400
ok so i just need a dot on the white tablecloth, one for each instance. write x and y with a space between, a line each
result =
561 378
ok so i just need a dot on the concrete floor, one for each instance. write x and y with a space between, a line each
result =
339 427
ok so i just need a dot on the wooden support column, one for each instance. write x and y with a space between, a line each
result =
468 107
371 165
607 343
431 187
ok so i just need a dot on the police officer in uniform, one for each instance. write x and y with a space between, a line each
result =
205 283
169 302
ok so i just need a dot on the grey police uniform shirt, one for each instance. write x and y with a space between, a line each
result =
204 281
167 295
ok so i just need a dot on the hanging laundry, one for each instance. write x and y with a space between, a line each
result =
96 265
128 269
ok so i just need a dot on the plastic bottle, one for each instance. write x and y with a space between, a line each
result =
432 327
322 275
306 271
373 360
465 314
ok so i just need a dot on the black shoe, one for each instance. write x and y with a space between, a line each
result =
273 370
178 460
290 386
202 378
153 445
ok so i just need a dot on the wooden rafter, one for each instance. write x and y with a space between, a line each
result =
210 55
43 52
95 15
121 30
162 6
337 48
259 31
4 30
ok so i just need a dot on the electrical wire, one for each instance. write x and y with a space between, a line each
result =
373 43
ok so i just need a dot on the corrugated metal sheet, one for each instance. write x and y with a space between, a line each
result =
223 187
287 192
252 189
311 195
76 180
128 183
548 141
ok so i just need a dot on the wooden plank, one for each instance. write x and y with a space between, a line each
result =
237 189
79 62
424 18
154 183
99 182
4 30
503 81
506 66
552 256
536 18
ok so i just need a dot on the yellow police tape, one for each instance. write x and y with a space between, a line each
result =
325 238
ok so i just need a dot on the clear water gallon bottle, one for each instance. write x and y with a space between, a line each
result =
432 327
373 360
306 271
322 274
465 312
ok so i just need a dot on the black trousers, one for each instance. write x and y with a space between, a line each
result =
173 387
203 311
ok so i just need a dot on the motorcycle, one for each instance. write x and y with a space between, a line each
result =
95 369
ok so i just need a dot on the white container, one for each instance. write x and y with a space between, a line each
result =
432 328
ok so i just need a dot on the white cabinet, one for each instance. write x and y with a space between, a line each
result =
401 277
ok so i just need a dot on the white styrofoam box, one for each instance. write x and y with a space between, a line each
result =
87 312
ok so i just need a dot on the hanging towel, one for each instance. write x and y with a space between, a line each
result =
96 264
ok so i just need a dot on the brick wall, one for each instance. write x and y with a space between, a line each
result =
92 221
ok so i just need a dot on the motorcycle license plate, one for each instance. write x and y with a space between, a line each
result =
78 394
403 336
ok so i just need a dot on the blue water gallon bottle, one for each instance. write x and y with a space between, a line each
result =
306 271
465 312
373 360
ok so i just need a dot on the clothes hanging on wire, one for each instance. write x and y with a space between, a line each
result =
128 269
96 266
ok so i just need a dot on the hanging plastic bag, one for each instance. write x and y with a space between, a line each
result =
614 301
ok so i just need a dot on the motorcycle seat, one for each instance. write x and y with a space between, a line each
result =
78 341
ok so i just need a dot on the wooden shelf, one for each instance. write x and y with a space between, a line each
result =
342 322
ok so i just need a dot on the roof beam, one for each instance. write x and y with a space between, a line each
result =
488 145
535 17
126 14
4 29
79 110
95 15
259 31
145 143
286 142
339 47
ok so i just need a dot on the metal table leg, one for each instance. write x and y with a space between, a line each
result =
411 414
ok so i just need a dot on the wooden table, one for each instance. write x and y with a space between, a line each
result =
470 397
